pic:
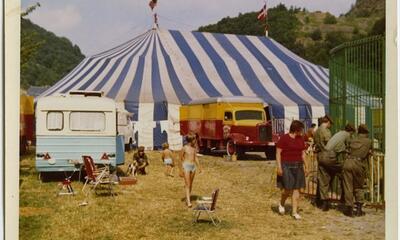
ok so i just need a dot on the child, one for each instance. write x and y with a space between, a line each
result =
167 158
140 161
189 162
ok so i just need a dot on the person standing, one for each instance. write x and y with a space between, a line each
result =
326 161
354 171
188 158
291 166
339 142
309 136
168 160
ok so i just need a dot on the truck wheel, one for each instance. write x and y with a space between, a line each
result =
240 151
270 153
230 148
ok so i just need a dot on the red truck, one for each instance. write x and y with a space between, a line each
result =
233 124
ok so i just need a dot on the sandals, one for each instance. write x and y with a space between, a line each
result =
281 209
296 216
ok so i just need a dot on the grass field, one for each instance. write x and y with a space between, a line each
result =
154 208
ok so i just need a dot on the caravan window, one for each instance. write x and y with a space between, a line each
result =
87 121
55 121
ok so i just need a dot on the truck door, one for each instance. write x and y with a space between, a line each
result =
227 123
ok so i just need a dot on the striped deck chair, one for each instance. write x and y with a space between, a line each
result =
207 205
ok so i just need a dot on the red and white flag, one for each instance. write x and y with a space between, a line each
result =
262 14
152 4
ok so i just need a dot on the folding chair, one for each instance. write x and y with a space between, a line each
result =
96 176
207 205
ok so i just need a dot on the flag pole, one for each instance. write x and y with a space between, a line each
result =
266 19
153 5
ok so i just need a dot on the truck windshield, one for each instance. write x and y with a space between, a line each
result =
249 115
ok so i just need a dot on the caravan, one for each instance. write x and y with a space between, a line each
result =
76 124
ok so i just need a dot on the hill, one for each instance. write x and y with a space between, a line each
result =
45 57
367 8
311 35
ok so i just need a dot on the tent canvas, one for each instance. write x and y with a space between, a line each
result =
156 72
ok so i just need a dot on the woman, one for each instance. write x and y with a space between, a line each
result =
290 155
189 161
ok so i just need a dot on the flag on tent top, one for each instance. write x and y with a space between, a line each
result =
152 4
262 14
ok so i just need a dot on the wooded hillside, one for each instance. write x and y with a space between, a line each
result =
45 57
311 35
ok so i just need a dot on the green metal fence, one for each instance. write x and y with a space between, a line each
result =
357 86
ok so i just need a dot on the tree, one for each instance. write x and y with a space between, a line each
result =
284 26
330 19
379 27
29 42
45 58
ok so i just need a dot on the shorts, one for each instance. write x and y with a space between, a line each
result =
292 176
189 167
168 161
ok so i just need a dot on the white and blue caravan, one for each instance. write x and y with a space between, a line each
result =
76 124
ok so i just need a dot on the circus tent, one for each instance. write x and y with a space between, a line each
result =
156 72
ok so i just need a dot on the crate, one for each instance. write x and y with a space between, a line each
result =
127 181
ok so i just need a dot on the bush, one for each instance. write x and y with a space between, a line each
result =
316 35
330 19
378 28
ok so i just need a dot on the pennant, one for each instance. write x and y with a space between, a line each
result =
152 4
262 14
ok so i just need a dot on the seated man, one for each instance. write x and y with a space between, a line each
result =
140 161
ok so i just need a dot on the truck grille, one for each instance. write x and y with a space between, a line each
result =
265 133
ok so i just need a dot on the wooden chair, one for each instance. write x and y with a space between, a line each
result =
207 205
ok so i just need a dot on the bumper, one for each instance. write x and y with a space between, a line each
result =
255 146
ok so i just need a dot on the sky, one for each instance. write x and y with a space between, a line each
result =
98 25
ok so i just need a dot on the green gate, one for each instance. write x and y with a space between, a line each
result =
357 86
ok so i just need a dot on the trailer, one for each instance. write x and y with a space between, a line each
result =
27 125
76 124
235 125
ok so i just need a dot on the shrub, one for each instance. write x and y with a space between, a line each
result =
330 19
316 35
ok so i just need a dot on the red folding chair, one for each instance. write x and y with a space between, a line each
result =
96 177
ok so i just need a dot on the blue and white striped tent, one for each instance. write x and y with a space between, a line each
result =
156 72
